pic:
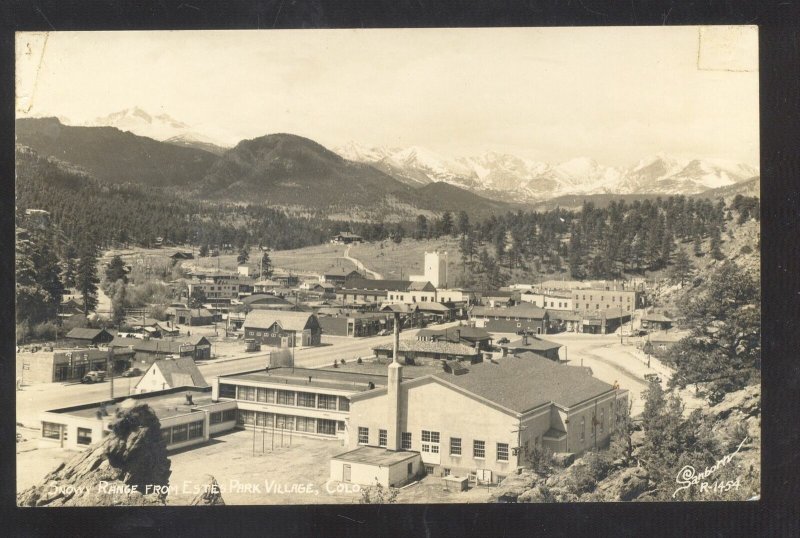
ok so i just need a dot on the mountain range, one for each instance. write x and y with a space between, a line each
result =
292 171
512 178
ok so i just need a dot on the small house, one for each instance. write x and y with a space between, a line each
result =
167 374
89 337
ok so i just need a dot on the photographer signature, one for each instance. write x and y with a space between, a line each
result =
688 477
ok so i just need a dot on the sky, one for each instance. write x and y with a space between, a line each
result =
613 94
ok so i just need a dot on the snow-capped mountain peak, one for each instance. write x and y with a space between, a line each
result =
506 176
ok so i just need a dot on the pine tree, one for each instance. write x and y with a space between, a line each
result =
421 229
447 223
697 246
203 250
243 256
118 302
682 269
87 279
462 226
266 266
116 270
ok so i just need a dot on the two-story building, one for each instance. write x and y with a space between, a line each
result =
281 328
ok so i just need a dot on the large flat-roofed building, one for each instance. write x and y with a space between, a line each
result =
304 401
421 351
69 364
513 319
609 297
478 421
188 417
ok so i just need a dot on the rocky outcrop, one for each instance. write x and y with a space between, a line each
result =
735 419
210 493
128 467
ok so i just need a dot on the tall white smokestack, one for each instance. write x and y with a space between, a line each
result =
395 377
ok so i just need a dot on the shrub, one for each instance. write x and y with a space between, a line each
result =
596 467
45 331
746 249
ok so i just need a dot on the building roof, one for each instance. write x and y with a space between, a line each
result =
608 313
422 346
453 333
347 234
164 403
524 384
265 298
330 378
518 311
433 307
180 372
380 285
563 315
340 271
533 344
399 307
501 293
85 333
155 345
376 456
421 286
288 320
661 318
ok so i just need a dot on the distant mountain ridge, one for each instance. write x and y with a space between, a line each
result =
512 178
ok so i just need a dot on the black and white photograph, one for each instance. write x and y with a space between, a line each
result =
387 266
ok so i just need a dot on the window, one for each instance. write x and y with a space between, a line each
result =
84 436
344 404
326 427
306 424
261 396
286 397
166 435
246 393
326 401
363 435
429 469
478 449
215 418
602 420
382 438
502 451
227 391
583 429
196 429
340 425
51 430
405 440
430 441
455 446
229 415
180 433
306 399
445 472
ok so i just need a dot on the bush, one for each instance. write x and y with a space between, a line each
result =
23 332
596 467
45 331
746 249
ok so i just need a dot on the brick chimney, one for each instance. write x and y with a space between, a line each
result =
395 377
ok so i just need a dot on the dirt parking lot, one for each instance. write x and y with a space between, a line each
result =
296 474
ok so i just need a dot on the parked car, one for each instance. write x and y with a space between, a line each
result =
384 332
652 378
131 372
94 376
503 340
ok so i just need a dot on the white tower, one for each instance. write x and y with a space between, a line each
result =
436 268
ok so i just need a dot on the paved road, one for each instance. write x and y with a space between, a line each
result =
610 361
360 265
34 399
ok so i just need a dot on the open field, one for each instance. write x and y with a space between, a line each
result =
395 261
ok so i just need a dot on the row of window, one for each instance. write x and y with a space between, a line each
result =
597 307
602 298
51 430
182 432
288 422
599 422
219 417
430 443
284 397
